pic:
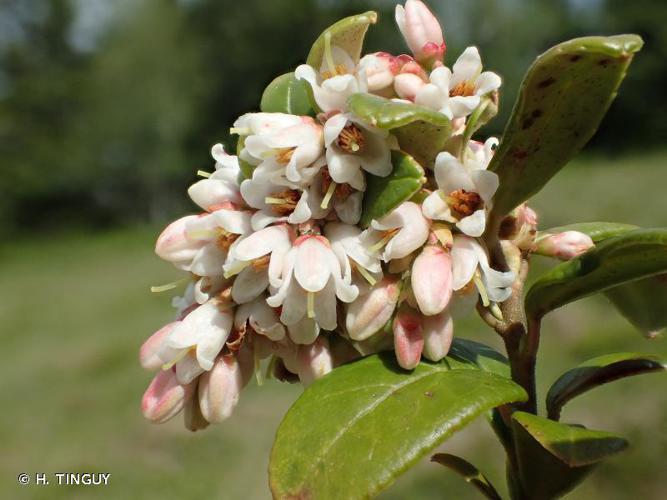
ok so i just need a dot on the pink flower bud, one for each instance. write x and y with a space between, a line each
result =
526 216
438 333
408 338
564 246
371 311
173 245
407 85
148 353
379 69
314 361
422 31
432 279
220 388
165 397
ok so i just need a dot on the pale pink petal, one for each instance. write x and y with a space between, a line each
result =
438 333
473 225
432 280
249 284
467 67
487 82
464 261
311 271
165 397
219 389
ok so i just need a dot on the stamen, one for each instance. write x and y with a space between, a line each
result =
202 173
283 156
327 197
170 286
443 234
388 236
482 289
497 313
465 89
240 130
204 234
311 304
262 262
367 276
463 203
179 356
225 240
236 268
273 201
351 139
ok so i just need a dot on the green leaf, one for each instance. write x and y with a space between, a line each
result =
481 355
469 472
353 431
420 131
595 372
642 302
246 168
615 261
286 94
554 457
562 100
348 34
383 194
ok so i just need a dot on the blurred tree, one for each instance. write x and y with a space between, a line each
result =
111 132
43 78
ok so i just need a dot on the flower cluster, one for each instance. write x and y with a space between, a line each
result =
280 267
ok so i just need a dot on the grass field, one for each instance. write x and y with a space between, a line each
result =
76 307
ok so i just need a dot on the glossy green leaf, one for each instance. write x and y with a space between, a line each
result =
481 355
595 372
383 194
469 472
642 302
348 34
615 261
554 457
420 131
246 168
562 100
286 94
353 431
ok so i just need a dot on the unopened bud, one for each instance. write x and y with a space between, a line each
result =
422 32
432 279
165 397
371 311
407 85
220 388
173 245
379 69
564 246
408 338
148 353
438 332
314 361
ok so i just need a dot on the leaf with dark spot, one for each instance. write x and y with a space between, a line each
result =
572 92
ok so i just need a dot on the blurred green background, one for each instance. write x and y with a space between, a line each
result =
108 108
